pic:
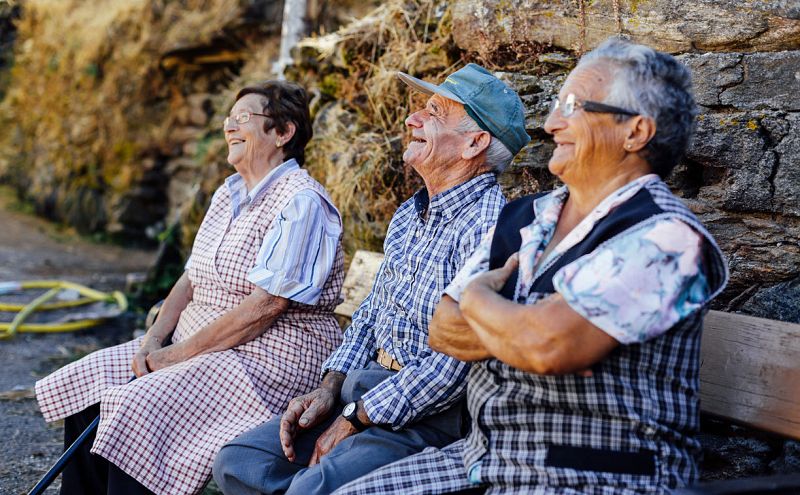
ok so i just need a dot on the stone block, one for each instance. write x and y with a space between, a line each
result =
493 26
779 302
787 175
769 81
712 73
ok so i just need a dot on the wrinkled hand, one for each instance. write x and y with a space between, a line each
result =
302 413
495 279
139 363
338 431
164 357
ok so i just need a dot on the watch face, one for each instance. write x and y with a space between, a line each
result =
349 409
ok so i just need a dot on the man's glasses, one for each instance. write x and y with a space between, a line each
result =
241 118
571 103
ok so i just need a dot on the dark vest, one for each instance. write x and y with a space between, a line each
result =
630 425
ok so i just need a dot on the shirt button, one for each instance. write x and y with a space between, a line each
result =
409 278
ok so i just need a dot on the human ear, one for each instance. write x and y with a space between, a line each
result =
286 136
639 131
477 143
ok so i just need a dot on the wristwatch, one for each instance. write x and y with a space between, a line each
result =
350 413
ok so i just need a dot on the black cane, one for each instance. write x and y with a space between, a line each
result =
62 461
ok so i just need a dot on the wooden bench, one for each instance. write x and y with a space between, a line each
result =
749 371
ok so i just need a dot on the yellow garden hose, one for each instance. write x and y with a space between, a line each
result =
8 330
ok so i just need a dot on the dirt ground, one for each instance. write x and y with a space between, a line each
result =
32 249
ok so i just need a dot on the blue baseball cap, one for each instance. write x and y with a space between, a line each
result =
489 101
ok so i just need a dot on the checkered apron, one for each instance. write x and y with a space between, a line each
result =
165 428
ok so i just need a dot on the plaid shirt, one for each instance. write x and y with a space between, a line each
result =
422 255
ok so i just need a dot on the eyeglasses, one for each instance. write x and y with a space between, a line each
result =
241 118
571 103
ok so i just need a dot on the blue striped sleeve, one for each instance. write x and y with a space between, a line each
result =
299 250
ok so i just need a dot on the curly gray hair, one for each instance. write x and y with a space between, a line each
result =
655 85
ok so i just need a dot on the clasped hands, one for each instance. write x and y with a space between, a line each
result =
153 355
311 409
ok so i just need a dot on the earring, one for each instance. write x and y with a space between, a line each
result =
629 146
278 143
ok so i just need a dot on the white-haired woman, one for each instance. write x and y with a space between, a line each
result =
583 311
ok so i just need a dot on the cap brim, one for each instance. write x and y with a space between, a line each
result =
427 88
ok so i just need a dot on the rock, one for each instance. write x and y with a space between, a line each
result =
789 460
779 302
752 81
488 27
787 175
770 80
711 73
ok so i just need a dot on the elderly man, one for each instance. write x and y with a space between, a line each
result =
584 308
384 393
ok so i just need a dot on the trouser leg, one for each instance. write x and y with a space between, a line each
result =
254 462
90 474
85 473
120 482
361 454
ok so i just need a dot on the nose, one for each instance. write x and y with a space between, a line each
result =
229 124
414 120
554 122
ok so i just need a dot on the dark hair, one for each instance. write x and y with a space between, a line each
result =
286 102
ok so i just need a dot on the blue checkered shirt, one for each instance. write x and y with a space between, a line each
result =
427 243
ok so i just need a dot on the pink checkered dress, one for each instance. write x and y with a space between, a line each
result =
165 428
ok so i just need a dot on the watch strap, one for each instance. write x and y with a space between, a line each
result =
353 417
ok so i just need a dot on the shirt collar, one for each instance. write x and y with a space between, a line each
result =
450 202
237 188
555 200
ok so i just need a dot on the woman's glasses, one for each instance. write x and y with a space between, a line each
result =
571 103
241 118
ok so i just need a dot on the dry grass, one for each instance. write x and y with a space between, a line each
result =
359 140
89 100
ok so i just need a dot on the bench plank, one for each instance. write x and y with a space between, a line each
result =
750 371
358 281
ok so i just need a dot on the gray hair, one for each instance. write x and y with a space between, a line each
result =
655 85
498 157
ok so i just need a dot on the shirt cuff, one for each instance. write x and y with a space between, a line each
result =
387 406
278 285
345 359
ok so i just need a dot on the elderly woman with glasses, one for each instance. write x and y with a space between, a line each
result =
583 309
245 329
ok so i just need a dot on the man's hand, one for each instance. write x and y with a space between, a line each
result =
305 412
139 363
338 431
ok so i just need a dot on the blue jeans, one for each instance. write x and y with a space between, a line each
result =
254 462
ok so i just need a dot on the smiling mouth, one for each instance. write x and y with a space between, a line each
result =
235 141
